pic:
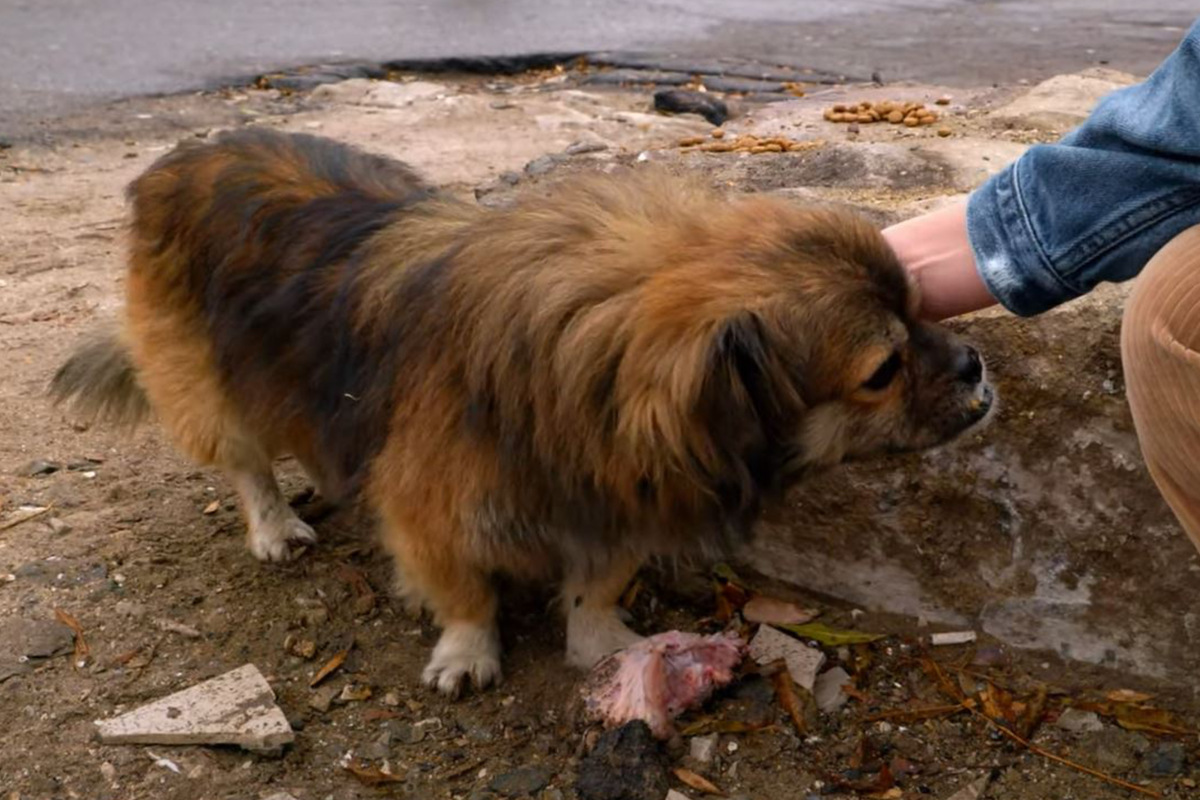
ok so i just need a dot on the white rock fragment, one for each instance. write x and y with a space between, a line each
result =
803 662
674 795
703 748
953 637
380 94
235 708
1077 721
280 796
828 692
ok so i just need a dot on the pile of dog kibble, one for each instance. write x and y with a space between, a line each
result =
908 114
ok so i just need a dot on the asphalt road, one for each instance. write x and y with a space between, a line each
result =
59 55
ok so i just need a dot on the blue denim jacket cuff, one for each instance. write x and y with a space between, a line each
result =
1013 267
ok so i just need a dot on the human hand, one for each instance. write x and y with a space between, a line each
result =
936 251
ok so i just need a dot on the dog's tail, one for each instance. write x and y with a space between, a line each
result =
98 383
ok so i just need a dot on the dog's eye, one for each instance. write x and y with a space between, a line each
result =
883 376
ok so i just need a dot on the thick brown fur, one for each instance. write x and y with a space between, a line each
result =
632 366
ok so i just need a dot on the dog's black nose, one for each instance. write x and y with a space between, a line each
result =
970 369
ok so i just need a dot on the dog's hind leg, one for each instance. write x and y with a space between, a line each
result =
590 597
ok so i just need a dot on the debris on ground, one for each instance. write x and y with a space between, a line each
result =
684 101
660 677
625 764
235 708
769 610
829 690
952 638
803 662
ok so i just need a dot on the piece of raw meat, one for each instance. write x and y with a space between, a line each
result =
658 678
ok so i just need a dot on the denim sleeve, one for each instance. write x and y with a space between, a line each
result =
1098 204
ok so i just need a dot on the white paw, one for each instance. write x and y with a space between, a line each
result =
592 634
271 539
465 653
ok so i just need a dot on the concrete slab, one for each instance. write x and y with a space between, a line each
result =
235 708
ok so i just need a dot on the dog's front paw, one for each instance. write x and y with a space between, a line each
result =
594 633
271 540
465 653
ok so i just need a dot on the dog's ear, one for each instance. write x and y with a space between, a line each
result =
709 401
747 404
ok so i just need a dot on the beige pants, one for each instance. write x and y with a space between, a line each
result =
1160 349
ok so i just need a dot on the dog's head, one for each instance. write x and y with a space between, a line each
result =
785 338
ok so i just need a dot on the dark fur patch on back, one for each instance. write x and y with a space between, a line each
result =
277 258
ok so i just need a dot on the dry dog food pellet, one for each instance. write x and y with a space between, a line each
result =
943 101
867 112
943 132
717 133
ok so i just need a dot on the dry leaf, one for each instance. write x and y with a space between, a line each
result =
212 507
1128 696
771 611
81 646
831 637
1151 720
997 704
371 776
376 714
338 659
710 725
786 693
697 782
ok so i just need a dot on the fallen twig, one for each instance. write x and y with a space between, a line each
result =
948 687
12 523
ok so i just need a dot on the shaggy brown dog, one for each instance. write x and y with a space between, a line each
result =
628 368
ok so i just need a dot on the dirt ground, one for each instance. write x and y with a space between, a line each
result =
135 541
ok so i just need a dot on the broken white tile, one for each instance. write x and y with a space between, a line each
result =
703 748
953 637
803 662
828 692
235 708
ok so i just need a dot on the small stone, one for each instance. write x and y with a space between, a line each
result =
626 764
510 178
1166 759
582 148
58 527
355 692
553 793
313 617
944 100
1077 721
683 101
392 699
39 467
379 748
703 748
944 132
828 692
542 164
852 128
952 638
322 698
803 662
109 772
235 708
304 648
674 795
522 782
